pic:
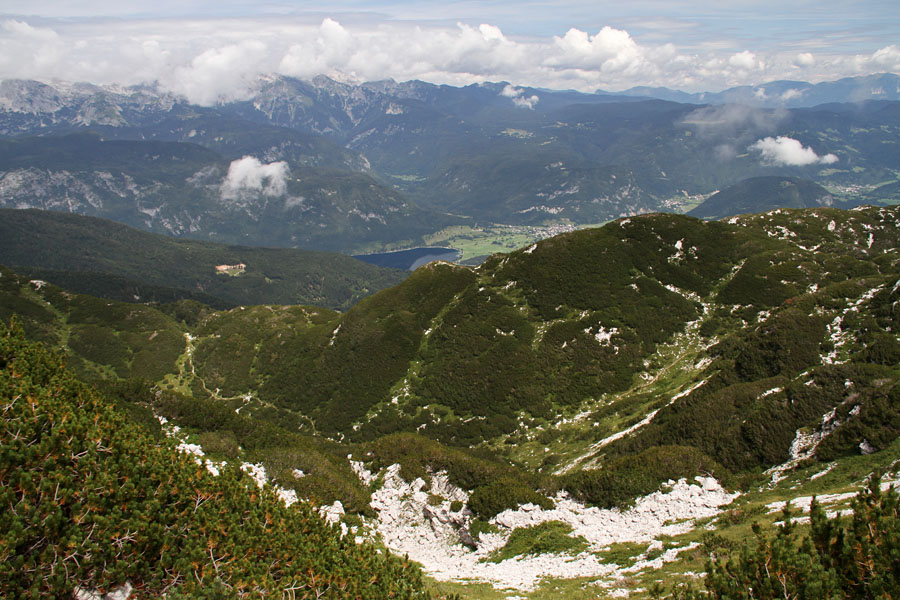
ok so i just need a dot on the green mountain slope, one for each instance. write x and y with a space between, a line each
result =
616 322
762 194
655 347
606 364
124 348
93 504
115 261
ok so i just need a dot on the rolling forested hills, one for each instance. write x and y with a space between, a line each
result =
110 260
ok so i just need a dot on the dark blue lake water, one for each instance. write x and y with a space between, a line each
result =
410 259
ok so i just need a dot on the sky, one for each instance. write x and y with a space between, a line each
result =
214 50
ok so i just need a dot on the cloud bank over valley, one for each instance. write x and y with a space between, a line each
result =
208 60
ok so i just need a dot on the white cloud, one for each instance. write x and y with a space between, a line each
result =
25 49
805 59
511 91
519 98
610 50
331 48
223 73
887 58
787 151
247 176
745 60
461 55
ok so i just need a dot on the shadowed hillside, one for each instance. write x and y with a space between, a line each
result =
99 257
762 194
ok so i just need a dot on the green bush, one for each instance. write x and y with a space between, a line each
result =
220 443
883 349
838 559
549 537
493 498
785 344
625 478
101 346
877 422
479 526
714 543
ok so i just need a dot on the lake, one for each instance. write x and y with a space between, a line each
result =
411 259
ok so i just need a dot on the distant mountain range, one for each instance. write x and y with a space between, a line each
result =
184 189
790 94
379 166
